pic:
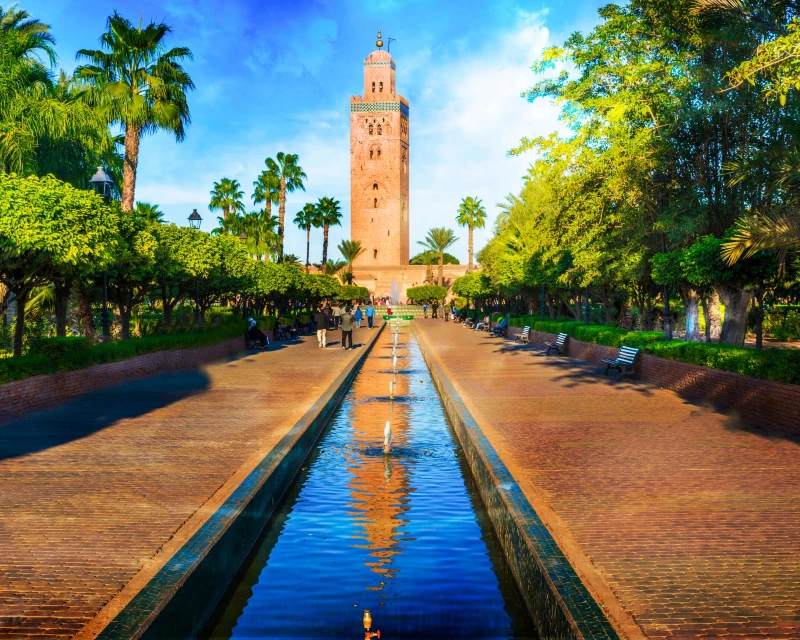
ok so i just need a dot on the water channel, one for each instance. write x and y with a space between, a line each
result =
401 532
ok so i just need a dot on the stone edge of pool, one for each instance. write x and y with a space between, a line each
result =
178 600
557 600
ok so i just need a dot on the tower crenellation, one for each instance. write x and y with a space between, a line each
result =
379 162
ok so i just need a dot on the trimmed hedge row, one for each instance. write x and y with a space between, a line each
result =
776 365
51 355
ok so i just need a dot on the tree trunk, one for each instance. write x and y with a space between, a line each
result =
281 216
737 304
706 317
308 246
132 136
85 312
63 288
441 268
691 299
125 321
324 246
166 306
714 317
471 266
19 329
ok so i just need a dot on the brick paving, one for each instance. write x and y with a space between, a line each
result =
99 492
684 522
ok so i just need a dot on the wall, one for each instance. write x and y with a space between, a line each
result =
23 396
759 402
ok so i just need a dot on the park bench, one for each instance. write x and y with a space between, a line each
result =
500 329
524 337
623 362
558 345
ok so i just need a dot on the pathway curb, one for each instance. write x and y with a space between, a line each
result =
559 603
178 600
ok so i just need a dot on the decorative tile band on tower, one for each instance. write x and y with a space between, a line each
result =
372 107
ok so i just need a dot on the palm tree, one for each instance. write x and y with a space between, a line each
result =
330 214
428 258
439 239
305 219
266 189
260 229
226 196
139 84
290 176
291 259
778 232
350 250
331 267
471 214
149 212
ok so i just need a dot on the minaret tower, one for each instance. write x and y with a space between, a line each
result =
379 165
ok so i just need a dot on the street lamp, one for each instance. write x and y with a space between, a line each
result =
103 185
587 309
195 220
660 180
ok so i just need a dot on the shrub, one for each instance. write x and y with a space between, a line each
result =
785 326
65 354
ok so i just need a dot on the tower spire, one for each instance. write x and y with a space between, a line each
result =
379 43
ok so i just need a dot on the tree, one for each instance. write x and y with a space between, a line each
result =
140 85
226 196
778 232
259 227
350 250
49 229
439 239
330 214
427 293
290 178
305 219
266 189
150 212
420 259
471 214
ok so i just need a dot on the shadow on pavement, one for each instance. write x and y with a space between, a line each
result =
95 411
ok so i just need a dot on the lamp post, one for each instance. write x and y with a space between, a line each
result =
661 180
243 238
103 185
194 222
586 308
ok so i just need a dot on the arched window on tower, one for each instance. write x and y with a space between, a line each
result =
370 154
370 129
379 154
373 87
380 130
375 203
381 87
375 253
375 186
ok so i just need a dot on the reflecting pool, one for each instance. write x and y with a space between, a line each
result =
401 532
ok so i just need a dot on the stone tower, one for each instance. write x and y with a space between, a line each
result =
379 165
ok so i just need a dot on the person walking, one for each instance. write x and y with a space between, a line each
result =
370 314
321 322
337 315
446 310
425 310
329 313
347 329
435 307
358 315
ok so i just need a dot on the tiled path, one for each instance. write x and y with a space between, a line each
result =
684 523
97 494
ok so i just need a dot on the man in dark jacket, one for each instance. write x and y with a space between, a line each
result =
321 322
347 329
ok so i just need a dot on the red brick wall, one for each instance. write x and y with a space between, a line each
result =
22 396
759 402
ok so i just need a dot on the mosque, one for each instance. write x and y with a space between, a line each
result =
379 178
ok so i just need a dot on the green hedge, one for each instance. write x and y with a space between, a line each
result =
51 355
777 365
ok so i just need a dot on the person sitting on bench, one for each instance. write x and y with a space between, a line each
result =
254 334
481 325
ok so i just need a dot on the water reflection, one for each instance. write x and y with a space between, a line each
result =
402 534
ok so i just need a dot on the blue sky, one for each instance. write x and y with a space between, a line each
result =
277 76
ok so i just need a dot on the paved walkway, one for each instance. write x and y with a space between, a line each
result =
99 493
683 522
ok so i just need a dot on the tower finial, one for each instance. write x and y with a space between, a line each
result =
379 43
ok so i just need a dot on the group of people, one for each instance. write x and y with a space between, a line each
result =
341 317
446 309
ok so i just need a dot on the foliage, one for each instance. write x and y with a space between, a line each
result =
471 214
420 258
783 327
65 354
290 177
353 292
226 196
473 286
427 293
438 240
329 214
